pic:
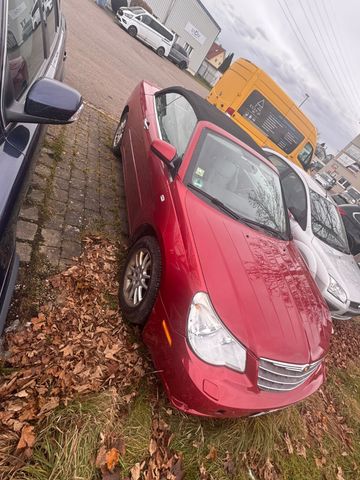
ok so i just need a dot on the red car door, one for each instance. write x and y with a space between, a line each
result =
167 116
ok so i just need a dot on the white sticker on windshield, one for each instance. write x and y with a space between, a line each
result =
199 172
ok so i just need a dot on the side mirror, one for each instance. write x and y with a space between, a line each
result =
163 150
48 101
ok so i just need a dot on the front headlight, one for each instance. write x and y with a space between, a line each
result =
210 339
336 290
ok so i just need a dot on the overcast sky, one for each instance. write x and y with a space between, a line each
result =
322 58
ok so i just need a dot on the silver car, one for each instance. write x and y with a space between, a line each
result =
320 236
179 56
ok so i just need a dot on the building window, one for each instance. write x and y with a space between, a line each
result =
343 182
188 48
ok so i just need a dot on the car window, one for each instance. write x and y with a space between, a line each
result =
294 191
145 19
326 222
354 194
177 120
161 29
242 182
51 18
25 48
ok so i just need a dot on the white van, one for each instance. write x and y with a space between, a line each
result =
20 23
139 23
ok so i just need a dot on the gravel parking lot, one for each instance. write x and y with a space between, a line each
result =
105 63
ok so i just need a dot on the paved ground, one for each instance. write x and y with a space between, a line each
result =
105 63
76 189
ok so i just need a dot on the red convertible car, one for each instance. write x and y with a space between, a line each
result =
234 322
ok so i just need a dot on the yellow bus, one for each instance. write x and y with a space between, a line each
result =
259 106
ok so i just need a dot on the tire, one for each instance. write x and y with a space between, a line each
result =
160 51
132 31
119 135
182 66
144 255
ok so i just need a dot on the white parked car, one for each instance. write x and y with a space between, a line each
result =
139 23
320 236
35 16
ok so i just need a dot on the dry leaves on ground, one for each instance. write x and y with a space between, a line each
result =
162 463
76 345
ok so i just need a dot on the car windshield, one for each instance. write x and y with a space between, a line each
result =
242 182
326 222
136 10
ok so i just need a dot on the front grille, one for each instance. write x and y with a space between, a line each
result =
355 306
283 377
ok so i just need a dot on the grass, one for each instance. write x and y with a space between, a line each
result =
69 440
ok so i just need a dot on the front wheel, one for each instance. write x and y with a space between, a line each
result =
182 66
132 31
140 280
160 51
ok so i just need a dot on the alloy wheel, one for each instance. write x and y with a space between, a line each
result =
137 277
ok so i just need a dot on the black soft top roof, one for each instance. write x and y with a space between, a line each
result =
205 111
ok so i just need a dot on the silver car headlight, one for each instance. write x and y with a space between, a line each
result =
210 339
336 290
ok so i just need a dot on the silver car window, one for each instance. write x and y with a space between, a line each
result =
326 222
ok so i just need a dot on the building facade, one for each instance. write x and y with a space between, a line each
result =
195 29
216 55
345 166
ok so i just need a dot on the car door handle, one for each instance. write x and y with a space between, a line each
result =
146 124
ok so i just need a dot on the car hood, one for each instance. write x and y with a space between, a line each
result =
342 267
260 287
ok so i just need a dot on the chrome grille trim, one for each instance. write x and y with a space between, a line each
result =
283 377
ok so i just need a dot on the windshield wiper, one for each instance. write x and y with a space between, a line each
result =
251 223
215 201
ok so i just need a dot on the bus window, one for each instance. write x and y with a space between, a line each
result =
305 156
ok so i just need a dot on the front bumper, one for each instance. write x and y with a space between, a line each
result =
198 388
121 20
341 311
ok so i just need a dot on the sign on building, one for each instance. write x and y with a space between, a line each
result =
194 32
354 152
345 160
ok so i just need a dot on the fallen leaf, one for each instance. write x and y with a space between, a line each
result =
22 394
152 447
112 458
68 350
27 438
339 474
212 455
135 472
101 457
229 465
